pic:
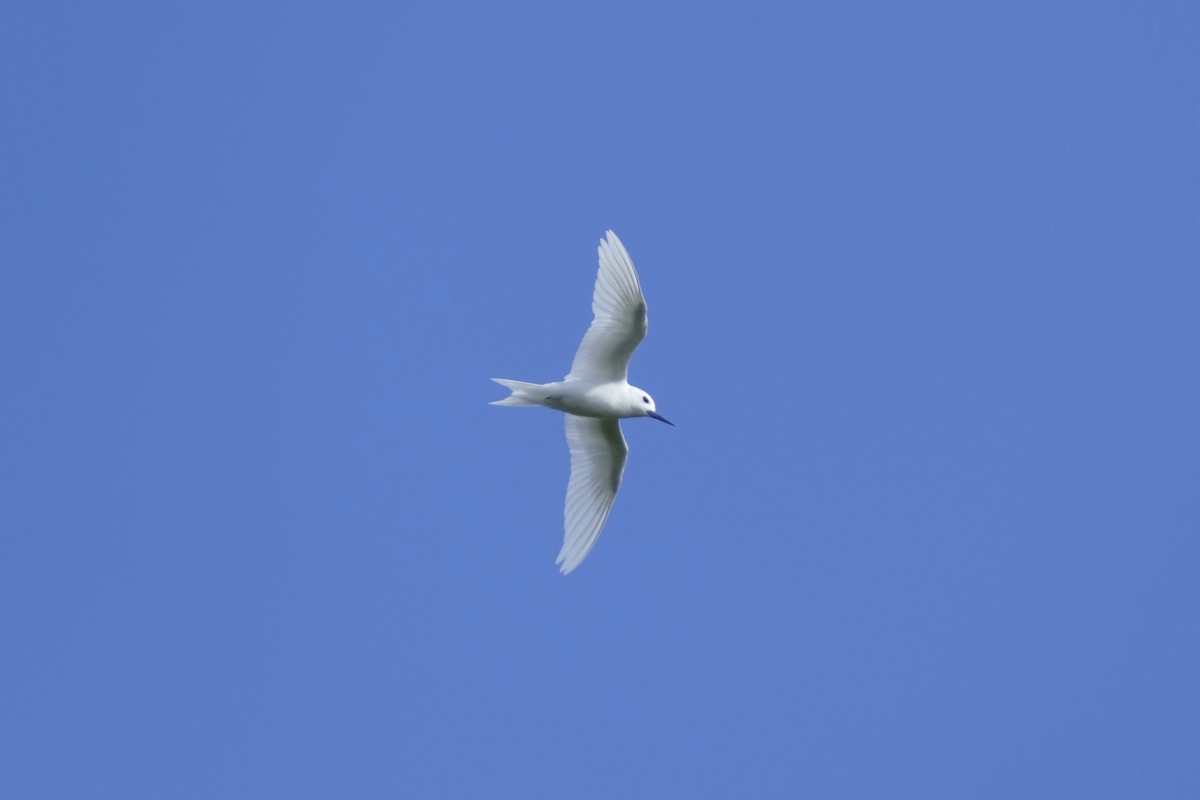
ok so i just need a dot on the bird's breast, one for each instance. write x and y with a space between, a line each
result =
603 401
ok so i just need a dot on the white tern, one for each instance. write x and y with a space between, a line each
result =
595 396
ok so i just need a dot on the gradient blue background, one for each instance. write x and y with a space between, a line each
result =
924 289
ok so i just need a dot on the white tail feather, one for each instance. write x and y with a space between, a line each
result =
523 394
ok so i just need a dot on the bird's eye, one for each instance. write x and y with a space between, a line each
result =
645 399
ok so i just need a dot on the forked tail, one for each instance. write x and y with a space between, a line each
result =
523 394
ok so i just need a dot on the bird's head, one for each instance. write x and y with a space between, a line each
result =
645 405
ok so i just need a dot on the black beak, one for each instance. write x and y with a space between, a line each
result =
660 418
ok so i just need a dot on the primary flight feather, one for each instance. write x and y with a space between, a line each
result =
595 396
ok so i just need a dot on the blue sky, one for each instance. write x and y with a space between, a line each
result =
923 286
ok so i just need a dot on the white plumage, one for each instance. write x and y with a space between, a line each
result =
595 395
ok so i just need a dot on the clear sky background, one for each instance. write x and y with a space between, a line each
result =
924 291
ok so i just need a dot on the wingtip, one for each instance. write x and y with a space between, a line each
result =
566 565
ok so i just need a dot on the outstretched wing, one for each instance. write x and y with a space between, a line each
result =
619 323
598 455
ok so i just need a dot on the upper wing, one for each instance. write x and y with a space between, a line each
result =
620 318
598 455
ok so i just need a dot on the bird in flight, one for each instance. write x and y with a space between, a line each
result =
594 397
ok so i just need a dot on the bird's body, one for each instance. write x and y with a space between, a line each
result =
594 397
612 400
